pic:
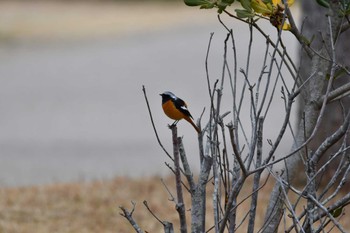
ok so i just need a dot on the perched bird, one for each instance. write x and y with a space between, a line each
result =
176 109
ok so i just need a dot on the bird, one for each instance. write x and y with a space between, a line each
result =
176 109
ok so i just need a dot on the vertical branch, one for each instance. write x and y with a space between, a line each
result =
247 67
256 181
312 92
233 84
168 227
206 65
262 73
199 197
236 187
186 166
226 162
199 192
235 150
200 141
231 199
180 204
311 191
216 202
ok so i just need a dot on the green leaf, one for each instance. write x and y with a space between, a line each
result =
246 4
207 5
228 2
267 1
324 3
244 13
196 2
337 212
222 5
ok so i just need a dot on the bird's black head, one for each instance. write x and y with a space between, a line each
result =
167 96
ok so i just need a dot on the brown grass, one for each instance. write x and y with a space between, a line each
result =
93 206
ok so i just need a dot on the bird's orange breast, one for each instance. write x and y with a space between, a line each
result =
171 111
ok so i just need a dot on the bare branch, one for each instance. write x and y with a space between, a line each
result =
153 125
180 204
294 29
153 214
332 139
199 197
186 166
337 94
128 215
168 226
168 190
235 150
319 205
256 181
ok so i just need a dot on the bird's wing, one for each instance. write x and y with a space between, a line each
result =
182 106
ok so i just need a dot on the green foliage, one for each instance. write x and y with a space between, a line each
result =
197 2
246 4
267 1
324 3
223 4
247 11
337 212
207 4
243 13
345 7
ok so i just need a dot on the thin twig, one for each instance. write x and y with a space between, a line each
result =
153 214
153 125
168 190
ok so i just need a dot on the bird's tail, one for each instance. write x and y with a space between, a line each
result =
193 124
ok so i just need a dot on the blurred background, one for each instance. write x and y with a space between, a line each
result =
71 74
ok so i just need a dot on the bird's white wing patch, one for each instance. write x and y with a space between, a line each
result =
184 107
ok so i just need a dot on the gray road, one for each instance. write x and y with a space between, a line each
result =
75 110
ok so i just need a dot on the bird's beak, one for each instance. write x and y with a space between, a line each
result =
161 94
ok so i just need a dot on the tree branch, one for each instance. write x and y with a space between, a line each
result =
186 166
153 125
180 204
128 215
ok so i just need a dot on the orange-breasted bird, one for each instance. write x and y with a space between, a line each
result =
176 109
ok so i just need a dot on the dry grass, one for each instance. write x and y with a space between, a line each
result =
93 207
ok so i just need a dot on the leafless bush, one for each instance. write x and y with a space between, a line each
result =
231 152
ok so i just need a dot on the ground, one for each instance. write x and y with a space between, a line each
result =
94 206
